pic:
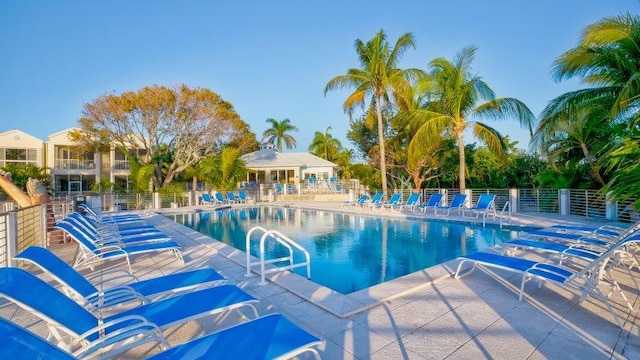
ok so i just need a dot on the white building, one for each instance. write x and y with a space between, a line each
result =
268 166
18 147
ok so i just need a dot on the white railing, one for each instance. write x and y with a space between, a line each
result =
505 208
75 164
120 165
282 240
20 229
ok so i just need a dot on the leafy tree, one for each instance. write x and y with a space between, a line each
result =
607 59
456 97
325 145
224 171
378 77
176 127
278 132
20 174
344 159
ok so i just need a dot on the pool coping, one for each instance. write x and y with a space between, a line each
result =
338 304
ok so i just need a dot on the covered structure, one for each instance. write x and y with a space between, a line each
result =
269 166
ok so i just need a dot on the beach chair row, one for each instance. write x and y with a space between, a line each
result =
98 320
219 198
484 207
578 258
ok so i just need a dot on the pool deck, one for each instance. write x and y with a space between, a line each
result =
425 315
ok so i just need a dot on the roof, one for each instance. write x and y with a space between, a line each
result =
18 136
271 158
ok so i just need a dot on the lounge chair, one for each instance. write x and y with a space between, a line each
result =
359 202
219 199
585 279
85 293
434 201
205 199
231 198
89 253
268 337
485 205
108 236
73 326
244 198
410 204
393 201
110 218
457 204
376 200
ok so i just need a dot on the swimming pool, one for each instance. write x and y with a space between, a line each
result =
351 252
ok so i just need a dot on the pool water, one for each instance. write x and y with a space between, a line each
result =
350 252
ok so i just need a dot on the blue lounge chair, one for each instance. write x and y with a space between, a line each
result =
585 280
73 326
410 204
393 201
483 207
109 236
434 201
376 200
231 198
457 204
85 293
359 202
244 198
205 199
269 337
89 253
219 199
111 218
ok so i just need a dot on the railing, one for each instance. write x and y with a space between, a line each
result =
282 240
74 164
20 229
120 165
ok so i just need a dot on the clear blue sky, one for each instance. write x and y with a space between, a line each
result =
269 58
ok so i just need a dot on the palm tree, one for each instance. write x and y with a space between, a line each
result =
378 77
277 133
325 145
224 171
456 98
607 58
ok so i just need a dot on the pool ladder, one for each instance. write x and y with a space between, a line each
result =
282 240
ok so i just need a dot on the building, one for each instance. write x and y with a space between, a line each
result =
18 147
268 165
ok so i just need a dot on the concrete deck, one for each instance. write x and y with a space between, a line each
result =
425 315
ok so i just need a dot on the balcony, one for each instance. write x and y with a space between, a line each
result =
75 164
120 165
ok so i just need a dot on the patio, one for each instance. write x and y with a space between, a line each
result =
427 315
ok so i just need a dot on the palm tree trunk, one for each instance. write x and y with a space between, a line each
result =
463 162
595 169
383 162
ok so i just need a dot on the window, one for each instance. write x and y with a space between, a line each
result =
18 156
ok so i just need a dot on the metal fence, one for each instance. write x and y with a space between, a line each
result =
20 229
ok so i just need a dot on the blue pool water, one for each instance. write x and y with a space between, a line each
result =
350 252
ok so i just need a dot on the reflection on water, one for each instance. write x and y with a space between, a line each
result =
350 252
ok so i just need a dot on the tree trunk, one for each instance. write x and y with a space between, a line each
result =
383 162
463 163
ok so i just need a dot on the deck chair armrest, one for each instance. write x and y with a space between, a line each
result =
106 249
138 332
119 295
101 277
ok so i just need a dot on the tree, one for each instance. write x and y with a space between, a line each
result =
325 145
224 171
278 132
607 59
176 127
378 77
454 94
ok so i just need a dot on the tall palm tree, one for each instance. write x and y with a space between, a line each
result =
378 78
325 145
457 99
607 59
278 132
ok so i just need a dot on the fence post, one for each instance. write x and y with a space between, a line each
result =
611 212
469 200
43 225
157 203
514 200
565 202
12 237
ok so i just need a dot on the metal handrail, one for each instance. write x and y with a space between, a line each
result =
506 207
282 240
